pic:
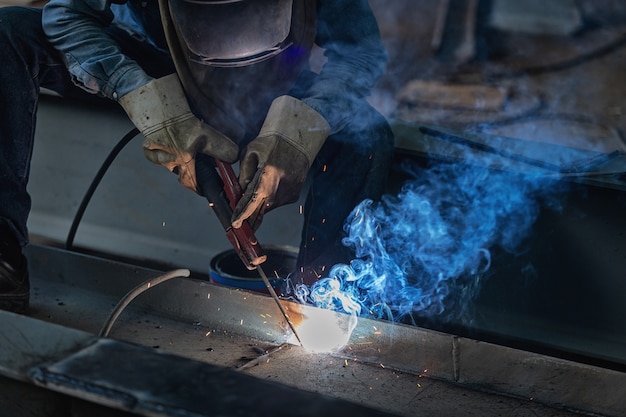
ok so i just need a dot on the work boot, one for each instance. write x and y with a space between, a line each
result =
14 283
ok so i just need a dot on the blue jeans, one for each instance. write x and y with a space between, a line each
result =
352 165
29 62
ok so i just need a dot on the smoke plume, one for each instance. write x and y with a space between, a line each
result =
425 251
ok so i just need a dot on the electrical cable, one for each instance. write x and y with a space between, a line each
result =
69 242
132 294
551 116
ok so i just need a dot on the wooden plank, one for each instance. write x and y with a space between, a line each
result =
459 96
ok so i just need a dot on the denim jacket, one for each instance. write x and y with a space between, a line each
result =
347 30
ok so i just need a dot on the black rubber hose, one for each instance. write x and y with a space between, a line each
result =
69 242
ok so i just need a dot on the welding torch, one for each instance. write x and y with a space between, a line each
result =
217 182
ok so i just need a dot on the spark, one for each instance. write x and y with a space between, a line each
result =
207 333
324 220
324 168
300 208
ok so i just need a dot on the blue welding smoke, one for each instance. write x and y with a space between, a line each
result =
424 251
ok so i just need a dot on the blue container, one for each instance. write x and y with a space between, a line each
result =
227 269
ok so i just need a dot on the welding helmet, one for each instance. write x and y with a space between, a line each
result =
235 56
234 33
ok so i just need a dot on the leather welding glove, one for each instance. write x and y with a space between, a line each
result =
172 133
275 164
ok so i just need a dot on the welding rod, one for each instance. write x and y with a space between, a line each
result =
218 183
278 303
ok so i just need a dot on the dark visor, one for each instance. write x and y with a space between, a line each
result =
229 32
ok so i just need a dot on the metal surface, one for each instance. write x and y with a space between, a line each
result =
583 166
384 365
141 380
147 382
25 341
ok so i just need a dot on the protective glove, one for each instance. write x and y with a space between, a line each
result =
172 133
275 164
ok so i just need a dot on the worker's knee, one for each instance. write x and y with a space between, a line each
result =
18 22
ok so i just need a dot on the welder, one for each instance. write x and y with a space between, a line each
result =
227 78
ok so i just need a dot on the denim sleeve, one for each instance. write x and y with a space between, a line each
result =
348 32
94 60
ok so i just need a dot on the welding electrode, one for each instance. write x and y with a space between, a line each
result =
217 182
